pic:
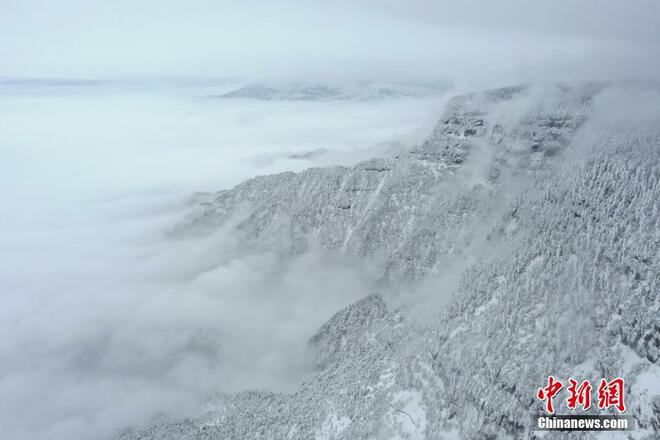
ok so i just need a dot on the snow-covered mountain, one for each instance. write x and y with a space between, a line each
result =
519 240
305 91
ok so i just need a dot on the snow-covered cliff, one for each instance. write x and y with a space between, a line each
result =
519 240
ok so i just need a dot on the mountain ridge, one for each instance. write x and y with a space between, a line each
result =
519 240
359 91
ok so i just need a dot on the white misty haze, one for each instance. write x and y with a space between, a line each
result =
105 321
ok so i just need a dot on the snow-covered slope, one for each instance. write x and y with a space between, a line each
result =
519 240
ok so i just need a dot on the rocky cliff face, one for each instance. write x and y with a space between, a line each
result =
545 215
418 210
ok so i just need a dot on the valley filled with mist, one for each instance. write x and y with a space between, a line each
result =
95 178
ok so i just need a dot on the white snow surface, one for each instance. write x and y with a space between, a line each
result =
520 239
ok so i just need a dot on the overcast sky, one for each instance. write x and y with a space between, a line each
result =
384 39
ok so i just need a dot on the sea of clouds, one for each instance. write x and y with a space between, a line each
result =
107 321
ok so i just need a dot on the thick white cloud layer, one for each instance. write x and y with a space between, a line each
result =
106 320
